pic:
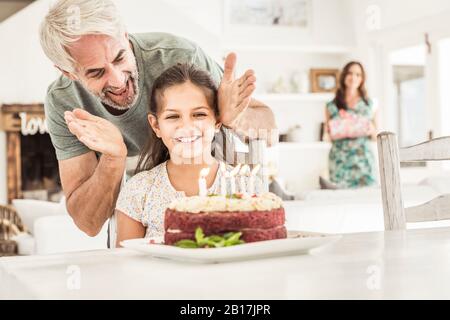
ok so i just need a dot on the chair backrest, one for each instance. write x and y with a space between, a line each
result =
390 157
10 223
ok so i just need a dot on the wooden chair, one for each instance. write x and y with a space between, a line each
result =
390 157
10 225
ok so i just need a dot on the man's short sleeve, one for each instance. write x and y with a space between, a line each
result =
202 60
65 143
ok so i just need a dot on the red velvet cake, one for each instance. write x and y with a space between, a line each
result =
250 219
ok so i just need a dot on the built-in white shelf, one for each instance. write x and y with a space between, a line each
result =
310 97
289 49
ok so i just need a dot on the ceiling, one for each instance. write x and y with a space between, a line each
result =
9 7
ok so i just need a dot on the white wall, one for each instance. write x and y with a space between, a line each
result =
9 7
331 25
398 12
402 24
26 72
167 16
445 85
3 190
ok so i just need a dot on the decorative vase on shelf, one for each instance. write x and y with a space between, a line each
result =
279 86
300 82
294 134
304 83
295 82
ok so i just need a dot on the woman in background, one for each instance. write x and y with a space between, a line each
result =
350 123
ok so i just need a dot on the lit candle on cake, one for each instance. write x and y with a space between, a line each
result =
251 187
243 174
202 188
223 179
232 176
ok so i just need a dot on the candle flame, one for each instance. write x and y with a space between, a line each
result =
256 169
204 172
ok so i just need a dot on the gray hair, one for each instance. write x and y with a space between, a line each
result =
68 20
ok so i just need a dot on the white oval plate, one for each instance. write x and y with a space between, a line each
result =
297 243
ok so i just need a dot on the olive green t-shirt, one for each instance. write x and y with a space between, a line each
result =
155 52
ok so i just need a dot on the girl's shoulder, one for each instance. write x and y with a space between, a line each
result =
147 177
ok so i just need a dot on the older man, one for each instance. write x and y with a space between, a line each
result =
97 110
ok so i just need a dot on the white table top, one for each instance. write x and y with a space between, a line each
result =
382 265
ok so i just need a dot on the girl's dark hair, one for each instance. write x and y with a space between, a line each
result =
155 152
339 100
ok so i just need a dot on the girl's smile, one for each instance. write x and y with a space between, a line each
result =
190 139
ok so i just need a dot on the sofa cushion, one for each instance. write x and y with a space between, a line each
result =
59 234
31 210
25 244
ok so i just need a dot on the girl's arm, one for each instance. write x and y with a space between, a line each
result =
128 228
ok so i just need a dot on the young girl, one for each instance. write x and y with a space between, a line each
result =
184 117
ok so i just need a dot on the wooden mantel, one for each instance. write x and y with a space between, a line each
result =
11 123
10 120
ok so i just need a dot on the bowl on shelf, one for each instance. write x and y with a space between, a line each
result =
294 134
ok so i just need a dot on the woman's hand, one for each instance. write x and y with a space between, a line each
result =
96 133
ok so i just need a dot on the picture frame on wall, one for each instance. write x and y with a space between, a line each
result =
269 13
324 80
259 22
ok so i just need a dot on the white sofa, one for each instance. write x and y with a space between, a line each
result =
350 211
52 230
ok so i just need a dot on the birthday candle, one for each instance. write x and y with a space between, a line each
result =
252 179
223 180
243 174
202 188
232 176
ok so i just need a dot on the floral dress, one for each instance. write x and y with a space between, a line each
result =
351 161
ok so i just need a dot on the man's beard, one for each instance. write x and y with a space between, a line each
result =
134 78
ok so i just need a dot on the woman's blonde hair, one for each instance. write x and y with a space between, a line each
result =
68 20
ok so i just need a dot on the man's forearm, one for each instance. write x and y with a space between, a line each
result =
93 202
257 122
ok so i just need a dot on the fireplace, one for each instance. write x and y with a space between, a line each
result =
32 167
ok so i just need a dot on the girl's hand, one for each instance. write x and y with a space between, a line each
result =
96 133
234 94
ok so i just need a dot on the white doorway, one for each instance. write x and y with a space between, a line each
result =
444 84
408 67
